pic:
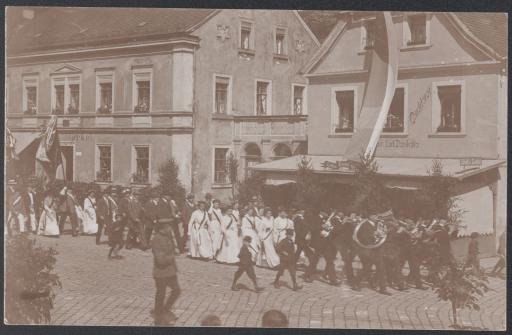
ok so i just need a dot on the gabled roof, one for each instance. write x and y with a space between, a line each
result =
321 22
56 27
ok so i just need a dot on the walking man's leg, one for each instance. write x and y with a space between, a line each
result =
161 285
175 293
280 272
239 272
100 230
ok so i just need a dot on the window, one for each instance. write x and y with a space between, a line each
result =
263 98
281 150
417 29
222 95
30 95
65 95
246 39
298 100
142 91
280 43
451 111
395 122
344 111
252 157
104 164
104 92
368 38
220 168
141 173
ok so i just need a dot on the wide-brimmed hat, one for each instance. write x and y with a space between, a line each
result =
247 239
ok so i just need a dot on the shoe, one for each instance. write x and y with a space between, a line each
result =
297 287
234 288
276 284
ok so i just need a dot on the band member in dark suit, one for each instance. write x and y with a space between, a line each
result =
301 233
130 210
151 212
168 211
186 212
68 209
103 213
246 265
286 251
116 229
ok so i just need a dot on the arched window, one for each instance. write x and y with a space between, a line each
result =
282 150
252 156
302 149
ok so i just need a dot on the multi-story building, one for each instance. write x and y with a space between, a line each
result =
450 103
134 87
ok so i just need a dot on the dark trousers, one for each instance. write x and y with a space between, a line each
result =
245 268
162 306
148 232
302 247
115 239
185 234
177 236
136 235
72 218
290 266
101 226
330 270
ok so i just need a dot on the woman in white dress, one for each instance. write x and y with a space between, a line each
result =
230 246
281 223
267 255
90 226
200 242
249 224
214 227
48 225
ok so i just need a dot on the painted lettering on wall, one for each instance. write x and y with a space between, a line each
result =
420 105
398 144
338 166
81 138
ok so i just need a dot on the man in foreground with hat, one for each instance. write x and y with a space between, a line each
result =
286 251
246 265
165 273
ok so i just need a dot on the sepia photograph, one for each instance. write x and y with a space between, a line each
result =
259 168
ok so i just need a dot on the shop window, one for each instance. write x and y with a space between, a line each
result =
280 41
104 164
450 102
222 95
246 36
30 95
298 100
141 165
395 122
220 166
344 117
263 98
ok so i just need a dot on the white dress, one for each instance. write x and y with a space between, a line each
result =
267 255
230 244
280 226
48 225
214 229
200 242
249 224
32 213
90 226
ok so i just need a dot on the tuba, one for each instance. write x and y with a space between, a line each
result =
379 235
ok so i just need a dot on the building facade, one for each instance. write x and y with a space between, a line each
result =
149 85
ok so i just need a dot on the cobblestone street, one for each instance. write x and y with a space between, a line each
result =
96 291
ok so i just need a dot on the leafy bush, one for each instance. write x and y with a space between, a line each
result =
29 281
252 186
169 182
310 194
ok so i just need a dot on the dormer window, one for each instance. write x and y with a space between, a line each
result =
368 37
280 42
418 27
246 38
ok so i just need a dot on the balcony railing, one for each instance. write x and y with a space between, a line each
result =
294 126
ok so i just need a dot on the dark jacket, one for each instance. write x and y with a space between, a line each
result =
300 227
104 210
164 210
187 211
286 251
130 209
150 212
473 249
245 256
163 252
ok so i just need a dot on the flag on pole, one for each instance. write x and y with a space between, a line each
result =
10 145
380 89
48 152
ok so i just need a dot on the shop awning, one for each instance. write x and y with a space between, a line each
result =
23 140
396 167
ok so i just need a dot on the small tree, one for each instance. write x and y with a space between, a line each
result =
233 173
252 186
368 187
29 281
310 195
169 182
461 287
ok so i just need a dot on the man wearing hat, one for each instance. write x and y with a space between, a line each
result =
103 212
130 212
68 209
246 265
186 212
151 212
165 274
286 251
168 211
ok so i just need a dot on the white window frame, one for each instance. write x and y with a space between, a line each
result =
285 40
246 22
436 106
334 108
140 74
229 150
97 161
405 86
101 78
269 95
30 81
229 103
304 99
406 30
66 80
134 161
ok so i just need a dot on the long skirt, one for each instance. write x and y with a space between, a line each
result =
48 225
215 235
200 243
267 255
230 247
90 226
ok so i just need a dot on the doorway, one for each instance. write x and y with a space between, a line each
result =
68 152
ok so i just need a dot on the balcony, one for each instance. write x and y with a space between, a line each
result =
284 126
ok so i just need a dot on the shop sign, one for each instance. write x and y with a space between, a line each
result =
342 166
465 162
